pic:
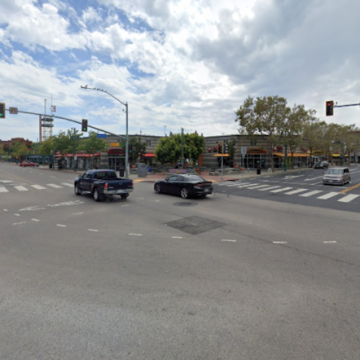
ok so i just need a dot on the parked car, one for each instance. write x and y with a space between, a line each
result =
185 185
103 183
321 165
27 163
337 175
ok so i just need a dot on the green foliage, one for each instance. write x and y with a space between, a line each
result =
46 147
232 148
264 117
93 144
138 149
19 149
169 148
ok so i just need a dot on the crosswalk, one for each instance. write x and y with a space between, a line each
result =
301 192
24 188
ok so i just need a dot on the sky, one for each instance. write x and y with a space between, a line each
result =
177 63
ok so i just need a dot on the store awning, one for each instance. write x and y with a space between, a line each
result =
219 155
335 155
289 154
149 155
78 155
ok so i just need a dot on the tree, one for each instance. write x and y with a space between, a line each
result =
294 128
313 133
263 117
92 145
138 149
232 148
63 142
169 148
19 149
46 147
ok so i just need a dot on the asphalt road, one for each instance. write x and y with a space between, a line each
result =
303 188
158 277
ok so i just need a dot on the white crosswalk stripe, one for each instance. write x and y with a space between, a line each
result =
269 188
67 184
328 195
257 186
21 188
3 189
281 190
348 198
54 186
296 191
38 187
311 193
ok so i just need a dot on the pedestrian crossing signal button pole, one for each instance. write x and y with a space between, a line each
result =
2 110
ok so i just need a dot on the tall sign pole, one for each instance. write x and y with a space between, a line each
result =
222 160
182 148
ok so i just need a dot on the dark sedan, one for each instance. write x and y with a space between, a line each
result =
185 185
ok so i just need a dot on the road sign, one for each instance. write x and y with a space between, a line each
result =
53 108
13 110
243 151
102 136
114 144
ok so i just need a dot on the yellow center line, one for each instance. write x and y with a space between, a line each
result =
350 188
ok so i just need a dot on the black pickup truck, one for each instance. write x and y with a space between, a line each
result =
103 183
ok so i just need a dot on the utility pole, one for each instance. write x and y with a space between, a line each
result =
182 148
222 160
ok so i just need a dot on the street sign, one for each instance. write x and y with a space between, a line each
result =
53 108
114 144
102 136
243 151
13 110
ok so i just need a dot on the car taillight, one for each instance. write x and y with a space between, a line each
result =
106 186
132 183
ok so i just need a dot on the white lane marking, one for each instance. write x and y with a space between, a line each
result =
317 183
269 188
132 234
246 185
177 237
54 186
258 186
3 189
282 189
67 184
20 188
60 225
94 230
157 200
328 195
17 214
279 242
5 209
329 242
295 191
22 222
311 193
32 208
78 213
348 198
35 220
124 205
38 187
314 178
67 203
228 240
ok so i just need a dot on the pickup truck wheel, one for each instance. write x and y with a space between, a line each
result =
77 191
184 193
96 195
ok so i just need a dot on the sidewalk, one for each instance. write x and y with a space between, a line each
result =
228 177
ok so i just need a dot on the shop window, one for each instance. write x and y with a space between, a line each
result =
148 142
253 142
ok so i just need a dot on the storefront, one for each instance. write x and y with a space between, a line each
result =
255 158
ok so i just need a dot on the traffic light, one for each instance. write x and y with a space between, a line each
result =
219 147
329 108
2 110
226 149
84 125
130 148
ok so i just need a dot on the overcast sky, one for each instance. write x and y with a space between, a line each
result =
178 63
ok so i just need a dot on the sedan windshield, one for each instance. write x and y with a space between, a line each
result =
334 171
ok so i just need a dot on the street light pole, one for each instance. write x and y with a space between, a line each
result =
127 126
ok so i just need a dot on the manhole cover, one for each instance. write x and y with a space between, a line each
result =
195 224
188 203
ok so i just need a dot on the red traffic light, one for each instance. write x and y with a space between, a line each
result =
330 108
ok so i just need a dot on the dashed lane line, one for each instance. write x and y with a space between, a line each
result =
228 240
60 225
132 234
54 186
67 184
